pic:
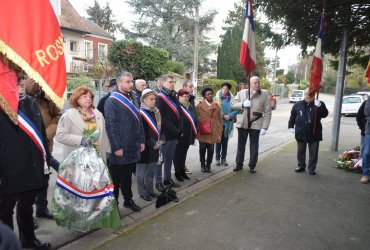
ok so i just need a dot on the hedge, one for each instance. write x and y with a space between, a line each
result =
215 84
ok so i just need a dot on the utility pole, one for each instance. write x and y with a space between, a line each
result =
196 48
339 91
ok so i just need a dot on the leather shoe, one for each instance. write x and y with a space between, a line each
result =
131 205
184 175
237 169
178 176
37 244
154 195
203 168
252 171
208 168
171 182
146 197
44 214
298 170
312 172
159 187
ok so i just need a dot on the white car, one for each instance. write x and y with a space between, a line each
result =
351 104
297 95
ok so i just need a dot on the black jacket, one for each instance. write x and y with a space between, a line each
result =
149 154
171 125
21 162
101 103
302 117
136 95
188 134
361 118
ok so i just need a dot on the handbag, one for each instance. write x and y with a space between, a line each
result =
205 126
166 196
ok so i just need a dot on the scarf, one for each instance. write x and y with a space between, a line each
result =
186 104
156 112
89 116
22 96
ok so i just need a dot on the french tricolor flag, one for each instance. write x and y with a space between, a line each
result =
316 66
248 48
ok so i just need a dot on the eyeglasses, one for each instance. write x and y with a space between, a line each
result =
186 96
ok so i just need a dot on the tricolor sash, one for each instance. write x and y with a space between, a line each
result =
127 103
30 129
99 193
170 103
152 123
191 120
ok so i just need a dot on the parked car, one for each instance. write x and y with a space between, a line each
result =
297 95
351 104
364 94
272 98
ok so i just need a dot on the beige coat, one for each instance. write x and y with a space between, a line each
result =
260 103
71 127
204 112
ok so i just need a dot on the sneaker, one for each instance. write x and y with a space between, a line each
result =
159 187
187 170
218 162
224 163
364 179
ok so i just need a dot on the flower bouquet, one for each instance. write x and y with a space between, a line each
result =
350 160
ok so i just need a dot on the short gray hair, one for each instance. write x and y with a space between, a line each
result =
166 77
254 77
122 74
139 81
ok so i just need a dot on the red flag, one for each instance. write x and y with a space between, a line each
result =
30 37
316 66
248 48
367 73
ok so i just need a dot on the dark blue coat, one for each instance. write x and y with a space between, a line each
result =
302 117
124 132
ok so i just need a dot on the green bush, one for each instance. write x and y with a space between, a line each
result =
73 83
265 84
303 85
176 67
215 84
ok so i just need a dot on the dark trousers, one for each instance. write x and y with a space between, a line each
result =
122 177
254 136
221 148
313 151
180 156
203 148
24 202
42 197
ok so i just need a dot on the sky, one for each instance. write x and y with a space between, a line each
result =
123 13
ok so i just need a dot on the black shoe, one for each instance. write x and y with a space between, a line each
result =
208 168
312 172
184 175
44 214
171 182
159 187
131 205
203 168
153 195
298 170
178 176
146 197
237 169
252 171
37 244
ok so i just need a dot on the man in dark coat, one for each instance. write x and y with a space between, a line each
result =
22 169
126 137
111 85
361 122
306 117
140 85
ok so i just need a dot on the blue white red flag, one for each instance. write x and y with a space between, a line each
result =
248 48
316 66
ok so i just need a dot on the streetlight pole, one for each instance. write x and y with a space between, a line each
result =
196 48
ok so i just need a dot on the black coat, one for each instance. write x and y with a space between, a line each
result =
101 103
188 136
302 117
149 154
171 125
21 162
361 118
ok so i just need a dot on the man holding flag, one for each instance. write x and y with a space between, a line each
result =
252 104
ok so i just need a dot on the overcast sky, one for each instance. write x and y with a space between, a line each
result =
123 13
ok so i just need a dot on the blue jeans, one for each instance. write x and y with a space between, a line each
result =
168 153
366 156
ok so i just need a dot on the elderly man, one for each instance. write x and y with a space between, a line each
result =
253 120
306 118
126 137
140 85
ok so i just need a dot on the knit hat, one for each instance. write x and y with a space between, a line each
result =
146 92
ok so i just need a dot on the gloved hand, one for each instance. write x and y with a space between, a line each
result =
263 131
247 104
291 130
317 103
158 144
86 142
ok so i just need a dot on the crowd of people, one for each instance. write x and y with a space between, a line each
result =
142 132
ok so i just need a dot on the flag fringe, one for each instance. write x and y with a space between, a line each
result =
33 74
5 106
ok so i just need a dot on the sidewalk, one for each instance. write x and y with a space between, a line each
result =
331 201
